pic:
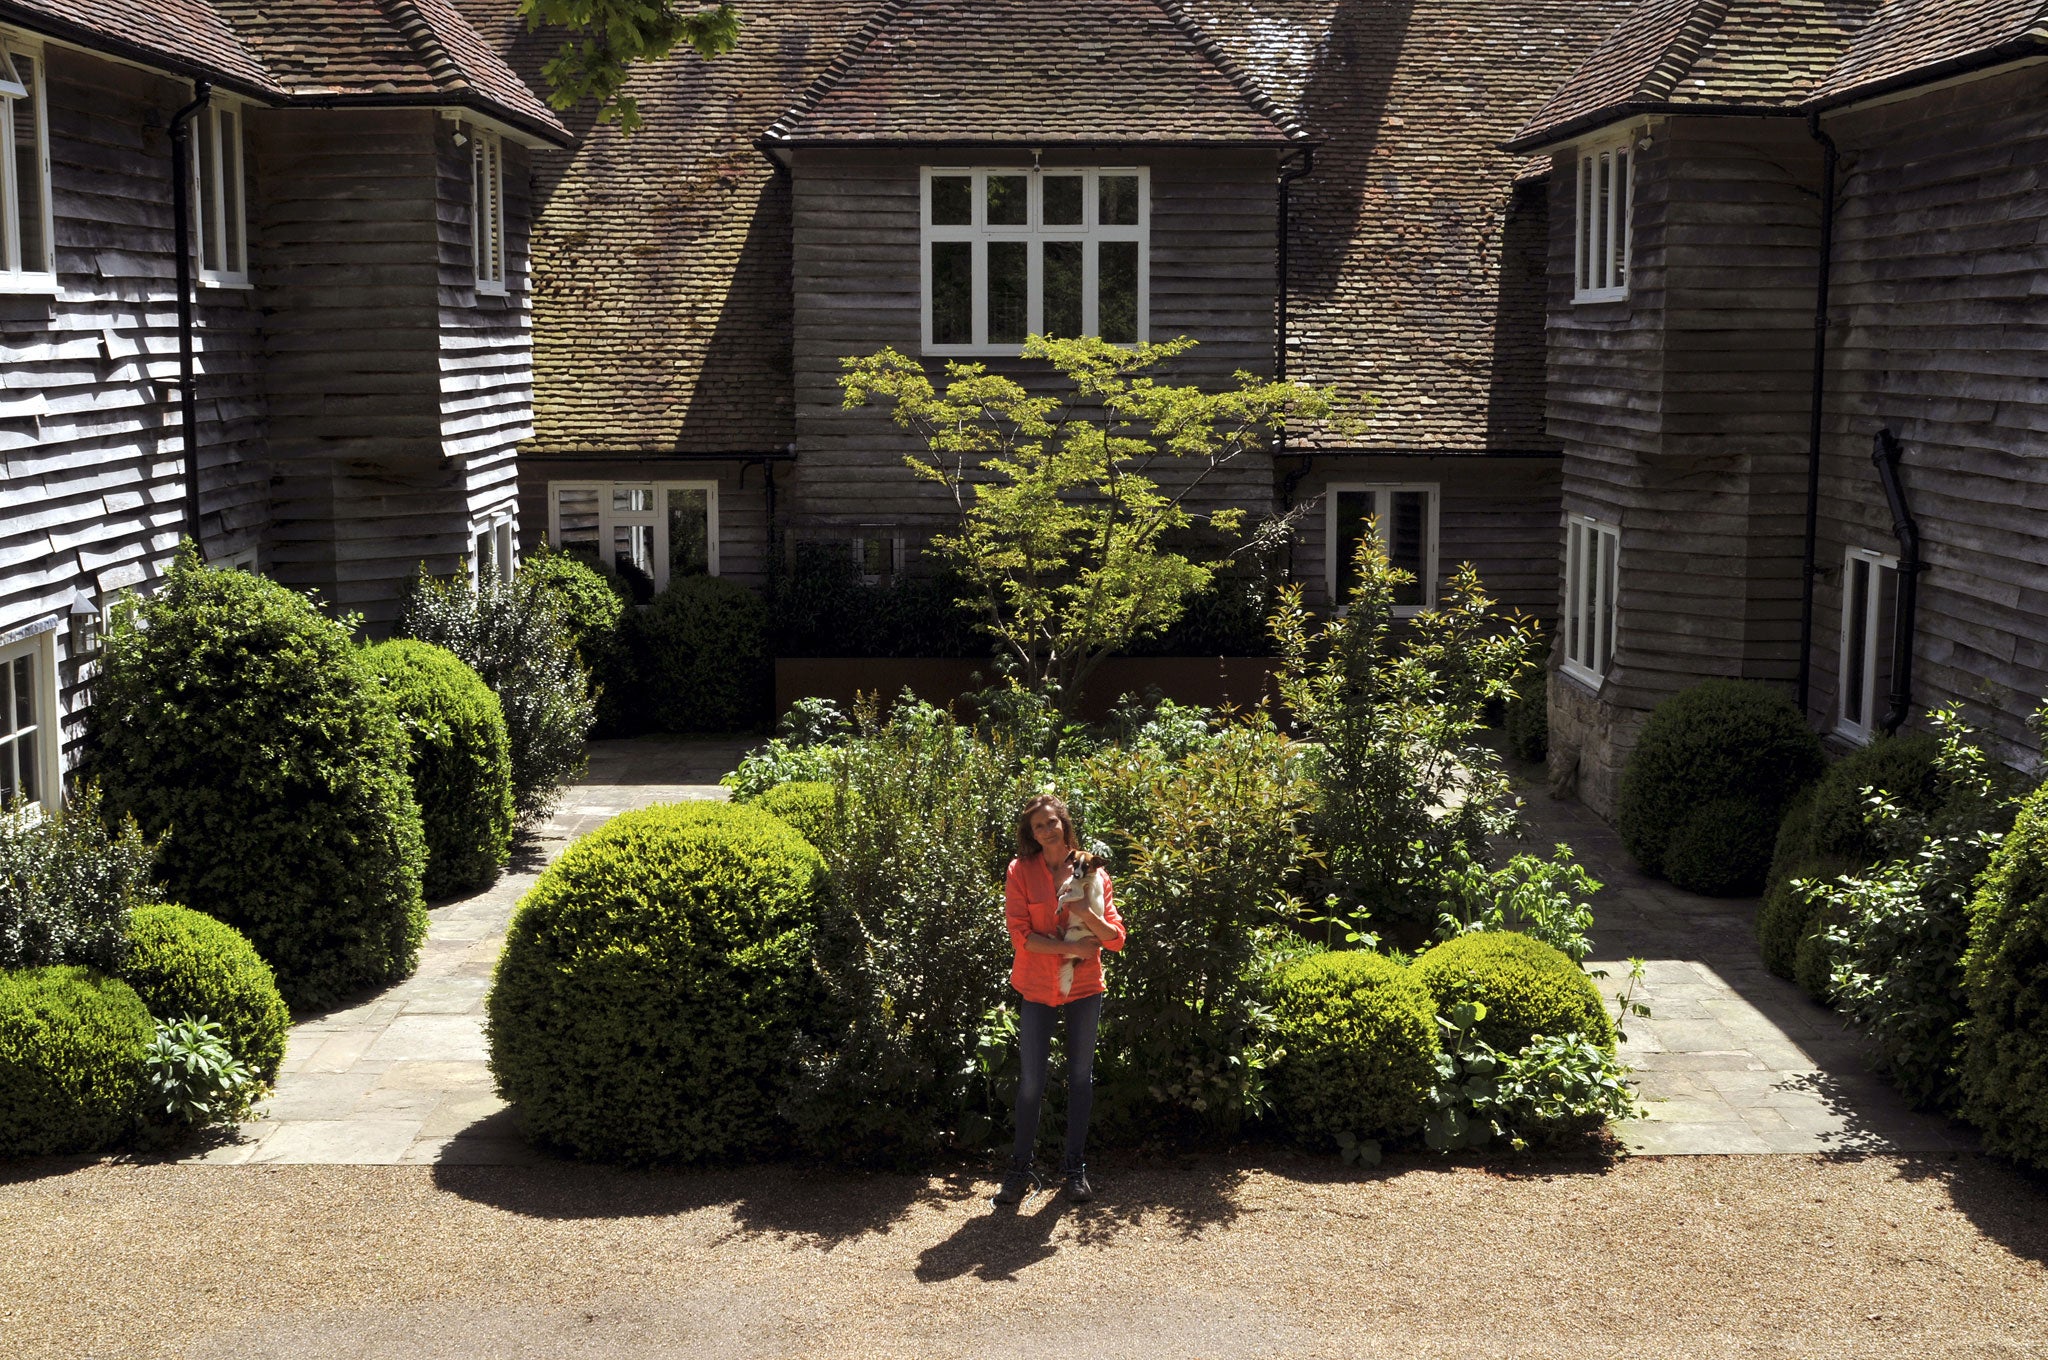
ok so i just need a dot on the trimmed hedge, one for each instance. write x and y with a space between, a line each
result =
702 653
231 714
646 1007
71 1044
1360 1040
461 762
1529 989
1718 743
184 963
2005 978
809 805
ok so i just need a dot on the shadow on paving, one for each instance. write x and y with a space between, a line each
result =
663 758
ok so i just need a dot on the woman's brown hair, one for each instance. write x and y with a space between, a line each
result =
1027 844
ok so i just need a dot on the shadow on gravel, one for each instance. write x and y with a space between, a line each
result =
2006 1204
28 1170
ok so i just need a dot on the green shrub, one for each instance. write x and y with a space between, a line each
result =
514 636
809 805
707 667
2005 980
185 963
1720 740
592 601
1530 990
71 1046
460 766
1527 720
1360 1045
648 998
67 885
1719 848
1813 959
232 715
1786 913
191 1079
821 607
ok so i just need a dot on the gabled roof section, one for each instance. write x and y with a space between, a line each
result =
1033 72
1906 40
283 51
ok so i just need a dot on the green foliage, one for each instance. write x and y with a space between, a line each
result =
1720 741
1359 1047
1542 898
1529 989
1813 959
71 1045
67 884
808 805
652 984
609 37
1559 1086
1403 776
703 656
460 764
1526 719
2005 981
184 962
190 1077
821 607
1785 916
779 762
232 715
592 601
513 636
1063 528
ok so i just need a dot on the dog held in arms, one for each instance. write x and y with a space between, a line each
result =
1084 888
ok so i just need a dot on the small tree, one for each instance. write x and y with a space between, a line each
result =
608 37
1064 524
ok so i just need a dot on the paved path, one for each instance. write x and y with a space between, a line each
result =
1732 1060
402 1077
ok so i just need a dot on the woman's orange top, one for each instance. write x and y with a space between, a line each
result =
1031 907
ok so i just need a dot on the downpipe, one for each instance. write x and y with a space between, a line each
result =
181 245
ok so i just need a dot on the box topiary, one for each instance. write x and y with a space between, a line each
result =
2005 979
1716 849
230 714
1359 1041
809 805
71 1044
1530 990
1720 740
647 1003
702 650
460 763
184 963
1784 915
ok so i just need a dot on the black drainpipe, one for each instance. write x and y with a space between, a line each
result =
1292 479
1813 415
181 245
1885 453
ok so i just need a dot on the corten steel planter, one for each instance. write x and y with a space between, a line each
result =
1210 680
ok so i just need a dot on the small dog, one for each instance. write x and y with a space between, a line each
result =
1085 887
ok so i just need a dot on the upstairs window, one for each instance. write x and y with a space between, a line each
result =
26 261
487 215
28 736
1592 577
220 196
1405 517
1870 607
648 532
1604 190
1010 253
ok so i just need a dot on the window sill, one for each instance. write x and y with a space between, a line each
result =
1855 736
1600 295
32 285
1015 351
492 290
1590 681
233 283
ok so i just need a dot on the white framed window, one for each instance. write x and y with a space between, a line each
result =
1017 251
649 532
1592 577
878 555
29 747
493 552
487 209
27 259
220 197
1604 194
1870 609
1405 514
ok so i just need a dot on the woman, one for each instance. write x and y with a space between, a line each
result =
1048 856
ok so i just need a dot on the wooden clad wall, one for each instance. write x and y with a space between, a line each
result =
857 288
91 448
1941 333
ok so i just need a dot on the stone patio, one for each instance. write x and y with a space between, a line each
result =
1732 1060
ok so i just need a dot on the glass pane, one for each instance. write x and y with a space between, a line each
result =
628 500
486 560
1588 197
1610 581
952 201
232 221
1605 181
25 758
207 134
9 786
1009 319
1407 531
1352 510
633 557
1574 571
1062 297
1063 200
1855 672
576 512
1117 202
877 558
1009 203
496 248
24 694
1620 243
952 292
689 533
1116 291
28 170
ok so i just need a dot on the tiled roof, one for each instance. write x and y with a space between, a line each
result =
285 50
1039 71
1783 56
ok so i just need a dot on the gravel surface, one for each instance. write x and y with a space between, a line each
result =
1205 1257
